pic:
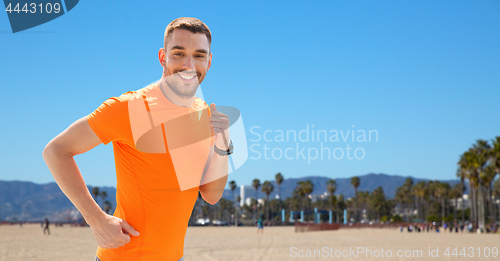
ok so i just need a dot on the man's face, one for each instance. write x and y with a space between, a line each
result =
187 59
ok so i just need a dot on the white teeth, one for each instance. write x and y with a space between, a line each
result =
187 77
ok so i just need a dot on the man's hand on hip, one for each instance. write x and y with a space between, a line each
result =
112 232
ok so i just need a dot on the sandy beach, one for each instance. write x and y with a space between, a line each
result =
242 243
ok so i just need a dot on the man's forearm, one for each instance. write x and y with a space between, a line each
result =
217 171
67 175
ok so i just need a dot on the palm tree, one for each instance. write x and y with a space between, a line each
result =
495 162
400 199
496 193
404 197
341 205
419 191
232 186
267 188
461 175
279 179
238 200
491 171
408 195
95 193
308 188
107 206
299 192
103 195
442 192
495 154
377 200
488 178
480 152
467 171
333 202
355 182
256 185
456 193
331 186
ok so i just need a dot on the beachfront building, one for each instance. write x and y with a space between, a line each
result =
315 198
246 194
462 203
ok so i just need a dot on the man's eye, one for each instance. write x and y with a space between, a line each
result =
177 54
200 56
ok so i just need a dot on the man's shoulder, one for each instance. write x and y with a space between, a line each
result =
125 97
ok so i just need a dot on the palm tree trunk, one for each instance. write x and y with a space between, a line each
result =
495 209
455 211
424 208
463 206
417 208
442 209
279 192
482 214
490 201
406 212
256 206
355 204
267 207
426 211
420 208
498 211
472 200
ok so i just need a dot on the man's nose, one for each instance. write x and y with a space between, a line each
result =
188 63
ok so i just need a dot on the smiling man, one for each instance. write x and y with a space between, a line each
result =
168 146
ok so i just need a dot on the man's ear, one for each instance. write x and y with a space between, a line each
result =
209 61
161 57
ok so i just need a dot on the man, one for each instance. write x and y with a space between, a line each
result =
157 160
260 225
46 227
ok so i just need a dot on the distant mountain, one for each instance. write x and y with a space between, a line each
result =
368 182
28 201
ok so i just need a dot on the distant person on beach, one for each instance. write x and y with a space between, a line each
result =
140 124
260 225
46 227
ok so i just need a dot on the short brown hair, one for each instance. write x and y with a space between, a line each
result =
187 23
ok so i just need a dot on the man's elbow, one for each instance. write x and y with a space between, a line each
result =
48 151
211 198
212 202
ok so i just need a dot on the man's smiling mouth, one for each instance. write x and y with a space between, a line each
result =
187 77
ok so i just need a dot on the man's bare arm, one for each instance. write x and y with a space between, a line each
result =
58 155
217 167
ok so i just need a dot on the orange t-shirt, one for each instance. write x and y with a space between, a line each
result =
148 192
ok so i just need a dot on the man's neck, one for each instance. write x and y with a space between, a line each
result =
174 98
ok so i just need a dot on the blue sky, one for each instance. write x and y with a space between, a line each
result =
423 74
